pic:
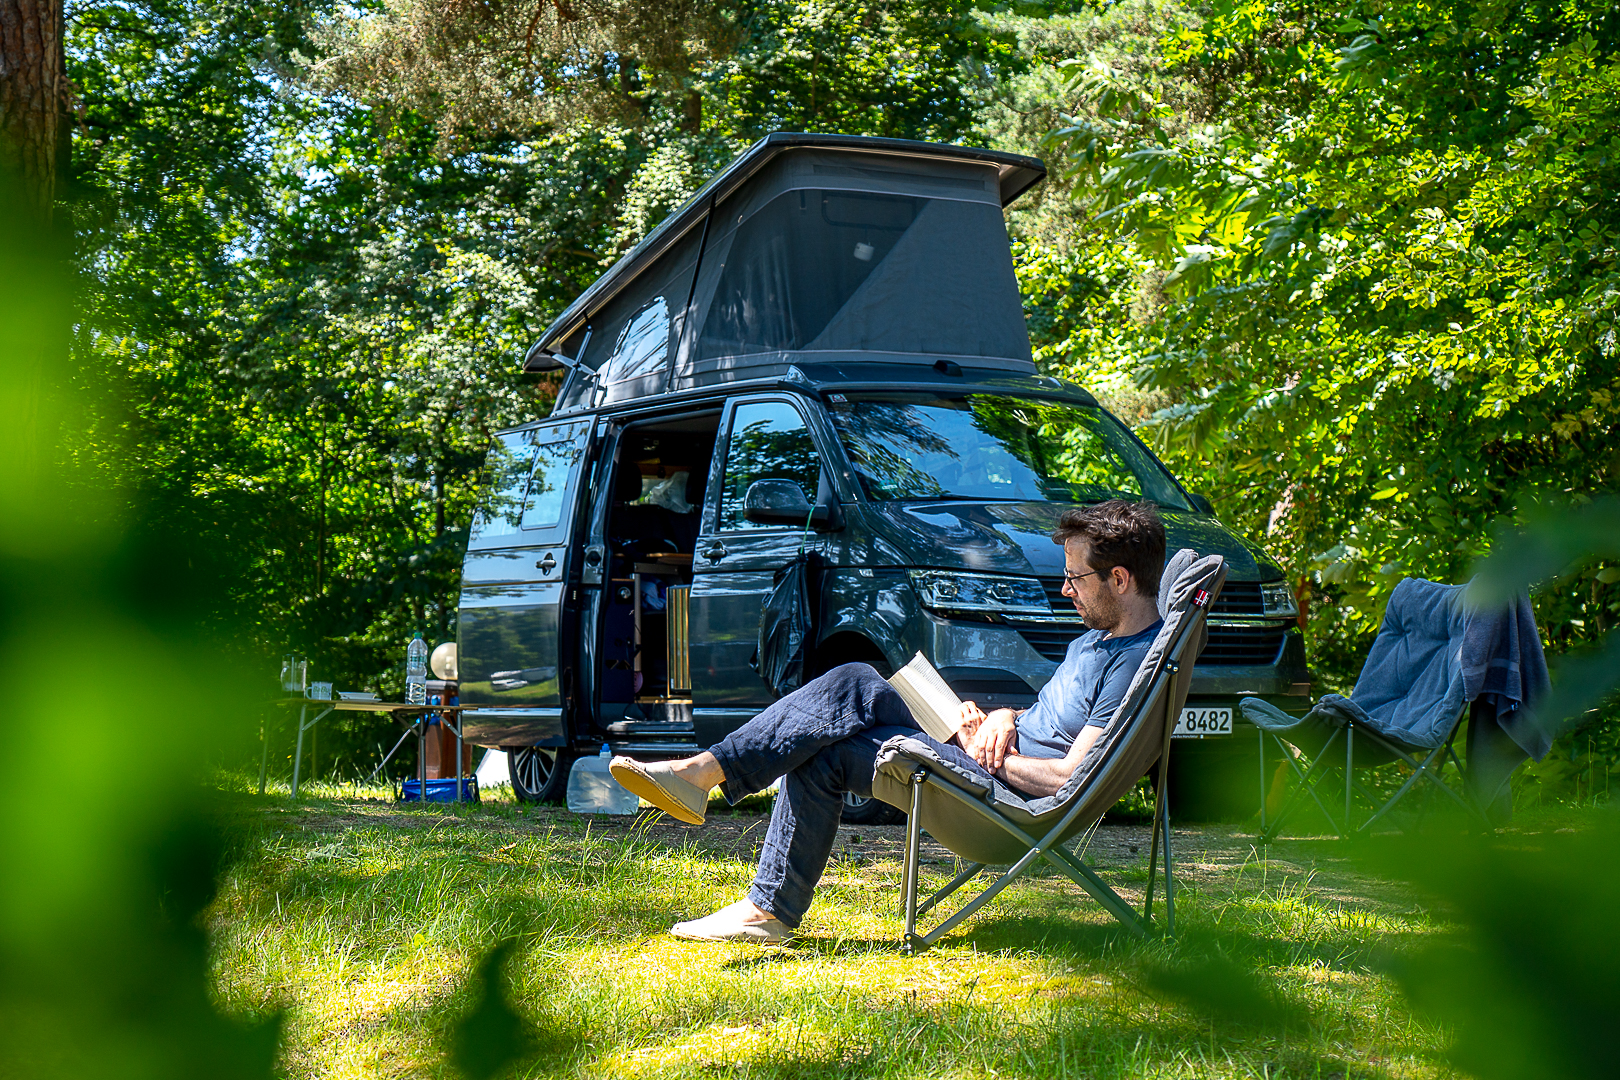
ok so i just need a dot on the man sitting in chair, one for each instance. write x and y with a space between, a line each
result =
822 740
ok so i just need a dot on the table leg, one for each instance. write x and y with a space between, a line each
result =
264 757
298 755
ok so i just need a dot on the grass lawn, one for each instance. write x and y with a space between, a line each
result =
363 919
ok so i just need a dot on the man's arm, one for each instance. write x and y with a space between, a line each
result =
1044 776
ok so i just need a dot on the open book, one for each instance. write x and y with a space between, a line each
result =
933 703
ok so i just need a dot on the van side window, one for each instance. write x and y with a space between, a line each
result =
769 441
553 464
500 504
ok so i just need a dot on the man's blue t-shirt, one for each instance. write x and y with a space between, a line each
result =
1085 690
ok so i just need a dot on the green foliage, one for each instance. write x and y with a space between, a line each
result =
909 69
1384 269
491 1036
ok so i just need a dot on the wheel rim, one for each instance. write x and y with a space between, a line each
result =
533 767
853 801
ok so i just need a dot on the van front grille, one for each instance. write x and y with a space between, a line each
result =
1249 646
1237 598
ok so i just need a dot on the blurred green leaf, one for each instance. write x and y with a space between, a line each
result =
1529 982
492 1036
1217 986
1549 545
1581 681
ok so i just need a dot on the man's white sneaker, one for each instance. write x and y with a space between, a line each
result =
656 782
731 924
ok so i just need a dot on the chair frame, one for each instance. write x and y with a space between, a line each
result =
1048 845
1431 768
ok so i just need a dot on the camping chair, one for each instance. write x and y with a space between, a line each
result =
1407 706
989 824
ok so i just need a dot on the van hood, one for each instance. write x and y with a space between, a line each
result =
1016 537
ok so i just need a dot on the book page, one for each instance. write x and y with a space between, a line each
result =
934 705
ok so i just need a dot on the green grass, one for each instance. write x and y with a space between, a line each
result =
363 919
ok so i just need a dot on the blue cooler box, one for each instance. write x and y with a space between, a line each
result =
440 790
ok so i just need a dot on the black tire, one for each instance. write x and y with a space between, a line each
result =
539 773
859 811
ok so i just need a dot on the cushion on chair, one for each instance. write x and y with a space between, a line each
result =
1411 687
1128 747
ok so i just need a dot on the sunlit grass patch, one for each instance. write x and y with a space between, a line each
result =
363 919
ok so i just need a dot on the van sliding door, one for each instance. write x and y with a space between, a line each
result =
516 602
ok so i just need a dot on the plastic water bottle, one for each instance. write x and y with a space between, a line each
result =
592 789
416 658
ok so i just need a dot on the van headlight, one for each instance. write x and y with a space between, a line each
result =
1276 598
945 590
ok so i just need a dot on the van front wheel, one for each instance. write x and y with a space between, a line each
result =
539 773
859 811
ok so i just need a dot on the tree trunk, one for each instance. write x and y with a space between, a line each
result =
31 95
692 113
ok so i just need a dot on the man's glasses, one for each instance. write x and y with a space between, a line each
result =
1070 579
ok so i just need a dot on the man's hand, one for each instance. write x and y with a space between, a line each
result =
972 717
995 735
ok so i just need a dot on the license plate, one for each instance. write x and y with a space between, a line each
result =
1196 723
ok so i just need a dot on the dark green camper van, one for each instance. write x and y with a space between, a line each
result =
824 349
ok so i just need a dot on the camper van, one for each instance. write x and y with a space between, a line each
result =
822 351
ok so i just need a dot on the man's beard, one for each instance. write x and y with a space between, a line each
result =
1104 615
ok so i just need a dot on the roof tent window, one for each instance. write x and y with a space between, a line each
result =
643 345
635 334
819 269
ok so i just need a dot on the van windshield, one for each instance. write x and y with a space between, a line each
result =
985 446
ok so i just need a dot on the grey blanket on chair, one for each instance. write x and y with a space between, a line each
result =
1502 661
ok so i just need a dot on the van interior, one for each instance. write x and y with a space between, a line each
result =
658 487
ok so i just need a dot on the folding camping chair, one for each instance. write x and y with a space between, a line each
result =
1407 706
989 824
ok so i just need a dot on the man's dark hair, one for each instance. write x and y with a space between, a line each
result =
1122 533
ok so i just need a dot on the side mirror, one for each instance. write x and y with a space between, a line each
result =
1201 504
782 502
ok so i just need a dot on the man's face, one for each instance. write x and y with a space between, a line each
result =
1095 594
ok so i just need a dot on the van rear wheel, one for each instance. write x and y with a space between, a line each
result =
859 811
539 773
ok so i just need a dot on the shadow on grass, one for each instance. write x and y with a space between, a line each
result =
1054 934
804 948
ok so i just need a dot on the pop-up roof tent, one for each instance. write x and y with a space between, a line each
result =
807 248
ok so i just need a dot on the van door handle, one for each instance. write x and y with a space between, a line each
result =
547 564
716 552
